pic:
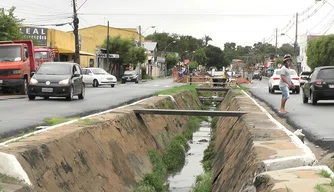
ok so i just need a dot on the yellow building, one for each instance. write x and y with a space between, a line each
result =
90 39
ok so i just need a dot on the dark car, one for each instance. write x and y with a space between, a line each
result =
320 85
130 76
303 77
257 75
57 79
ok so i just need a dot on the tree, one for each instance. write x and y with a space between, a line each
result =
136 55
206 40
200 56
320 52
120 46
172 60
9 25
215 57
193 65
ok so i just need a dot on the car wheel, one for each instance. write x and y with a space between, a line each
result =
46 97
83 93
305 99
123 82
31 97
269 90
24 88
136 81
313 99
70 96
95 83
297 90
112 85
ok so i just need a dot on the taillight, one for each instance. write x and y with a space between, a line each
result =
296 78
276 78
318 82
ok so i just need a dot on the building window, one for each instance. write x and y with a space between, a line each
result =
91 62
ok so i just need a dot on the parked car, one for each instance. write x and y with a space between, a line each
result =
98 76
57 79
257 75
273 84
130 76
320 85
303 77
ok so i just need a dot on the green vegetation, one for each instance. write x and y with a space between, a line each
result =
88 121
319 52
203 183
320 188
178 89
147 76
171 161
9 179
325 174
57 120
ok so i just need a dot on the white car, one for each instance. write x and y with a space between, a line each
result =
98 76
274 80
303 77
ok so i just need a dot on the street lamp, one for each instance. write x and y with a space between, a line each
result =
283 34
165 73
141 33
169 45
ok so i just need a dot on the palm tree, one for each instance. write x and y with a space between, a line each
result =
207 38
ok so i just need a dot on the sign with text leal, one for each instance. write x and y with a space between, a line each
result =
104 55
38 35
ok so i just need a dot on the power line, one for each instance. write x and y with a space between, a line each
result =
322 20
182 14
313 13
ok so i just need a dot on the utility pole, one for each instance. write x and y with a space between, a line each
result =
276 43
108 63
76 33
139 64
295 45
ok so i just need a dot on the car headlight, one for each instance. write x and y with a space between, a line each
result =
16 72
33 81
64 82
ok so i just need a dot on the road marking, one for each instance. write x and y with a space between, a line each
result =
166 86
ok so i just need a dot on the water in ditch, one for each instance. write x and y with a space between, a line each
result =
184 180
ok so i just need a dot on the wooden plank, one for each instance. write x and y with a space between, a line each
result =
212 89
189 112
211 98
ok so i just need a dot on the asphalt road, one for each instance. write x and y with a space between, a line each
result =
316 121
19 114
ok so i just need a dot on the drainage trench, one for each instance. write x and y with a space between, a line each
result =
184 180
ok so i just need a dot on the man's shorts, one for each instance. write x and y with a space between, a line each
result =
285 92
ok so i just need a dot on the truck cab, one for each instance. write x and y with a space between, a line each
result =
17 64
46 54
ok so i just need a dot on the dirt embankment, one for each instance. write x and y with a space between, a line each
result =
108 152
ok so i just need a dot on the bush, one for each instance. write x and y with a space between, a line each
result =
203 183
174 157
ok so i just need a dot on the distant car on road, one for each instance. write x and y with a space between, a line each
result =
257 75
320 85
130 76
57 79
303 77
98 76
273 84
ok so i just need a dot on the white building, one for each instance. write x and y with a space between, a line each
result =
304 39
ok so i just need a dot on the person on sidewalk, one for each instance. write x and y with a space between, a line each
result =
285 82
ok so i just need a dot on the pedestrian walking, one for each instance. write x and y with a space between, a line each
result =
285 82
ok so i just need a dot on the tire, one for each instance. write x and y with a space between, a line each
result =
136 81
313 99
305 99
83 93
95 83
46 97
24 88
112 85
269 90
31 97
298 91
123 82
70 96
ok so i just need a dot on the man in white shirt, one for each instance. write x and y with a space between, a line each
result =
285 82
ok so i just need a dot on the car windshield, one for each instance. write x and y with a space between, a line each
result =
55 69
99 71
292 72
129 72
326 74
10 53
305 73
41 55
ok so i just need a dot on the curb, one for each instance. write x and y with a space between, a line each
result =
19 97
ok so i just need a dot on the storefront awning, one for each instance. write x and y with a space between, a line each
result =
67 51
86 54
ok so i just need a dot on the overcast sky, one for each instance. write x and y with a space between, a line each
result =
244 22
